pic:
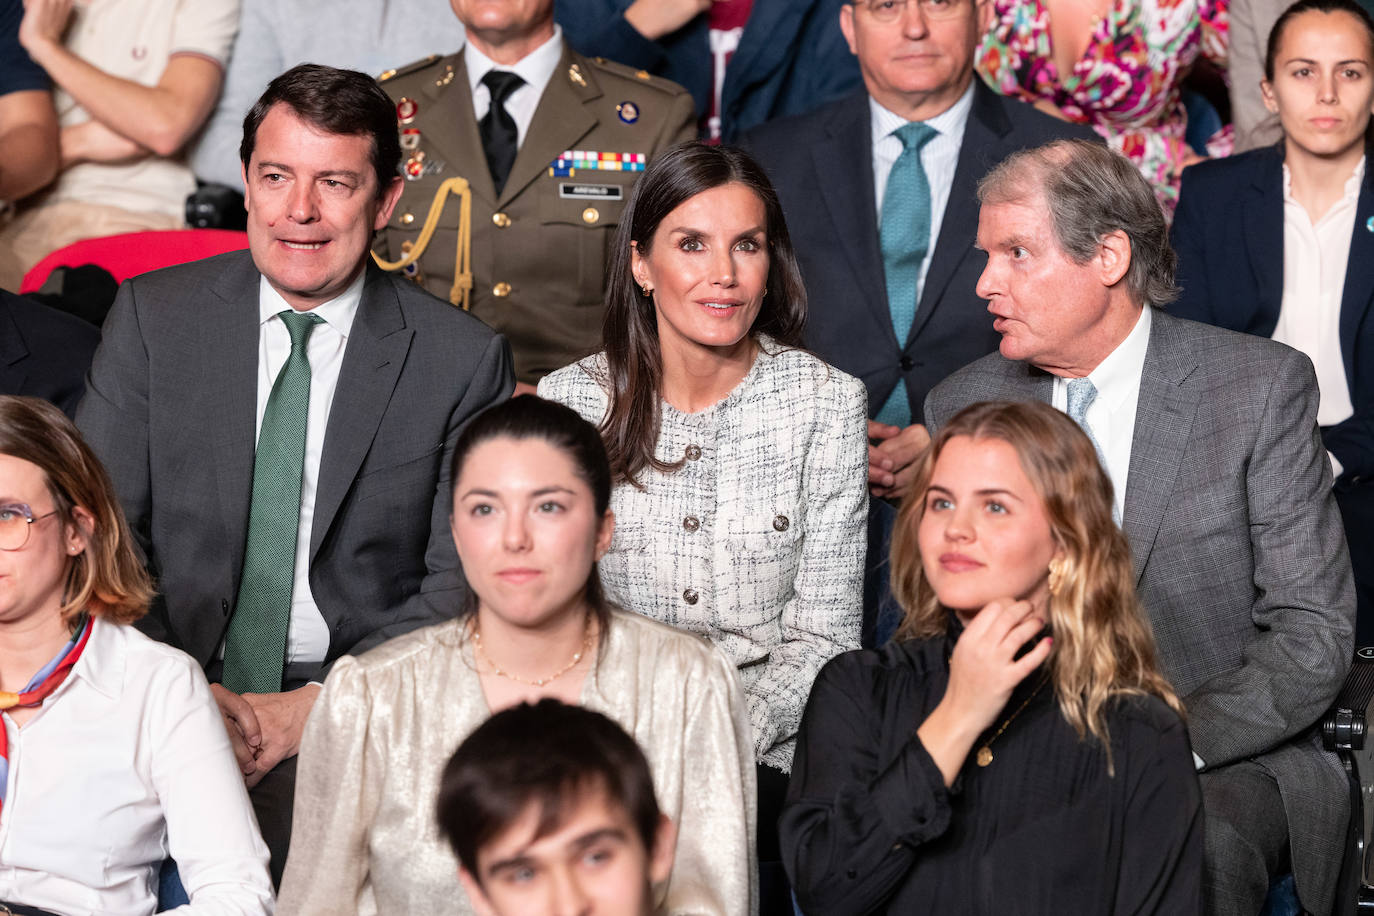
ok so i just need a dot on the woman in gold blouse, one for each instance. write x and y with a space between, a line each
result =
531 517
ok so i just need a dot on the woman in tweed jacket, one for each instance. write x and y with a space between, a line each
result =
740 459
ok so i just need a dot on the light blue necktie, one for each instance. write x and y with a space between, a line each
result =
905 237
1082 392
255 644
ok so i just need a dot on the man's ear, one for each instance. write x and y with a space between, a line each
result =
665 847
390 195
1114 257
480 904
847 26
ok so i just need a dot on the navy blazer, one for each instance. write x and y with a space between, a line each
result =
822 166
44 352
1228 233
791 57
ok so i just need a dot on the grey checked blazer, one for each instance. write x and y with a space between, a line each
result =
170 408
1239 556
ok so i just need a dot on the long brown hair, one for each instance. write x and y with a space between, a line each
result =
1103 646
106 579
630 333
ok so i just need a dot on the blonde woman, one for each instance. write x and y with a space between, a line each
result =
1015 749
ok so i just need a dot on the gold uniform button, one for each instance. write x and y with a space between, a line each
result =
407 219
780 523
501 290
642 74
691 523
591 215
690 596
501 220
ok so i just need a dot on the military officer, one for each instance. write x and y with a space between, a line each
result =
550 143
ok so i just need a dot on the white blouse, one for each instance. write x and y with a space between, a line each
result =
126 764
757 541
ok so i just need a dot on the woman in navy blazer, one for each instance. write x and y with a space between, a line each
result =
1235 216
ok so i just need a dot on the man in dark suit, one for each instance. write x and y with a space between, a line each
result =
1223 490
43 352
278 425
832 168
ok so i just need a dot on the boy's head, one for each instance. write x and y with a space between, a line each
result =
551 810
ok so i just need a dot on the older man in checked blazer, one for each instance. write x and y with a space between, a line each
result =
1222 487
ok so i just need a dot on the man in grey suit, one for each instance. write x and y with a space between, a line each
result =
1223 489
278 425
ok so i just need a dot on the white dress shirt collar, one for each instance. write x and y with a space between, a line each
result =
338 312
948 123
535 68
1117 378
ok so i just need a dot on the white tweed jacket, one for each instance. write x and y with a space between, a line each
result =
757 541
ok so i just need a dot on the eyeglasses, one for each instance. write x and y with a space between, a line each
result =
890 10
15 521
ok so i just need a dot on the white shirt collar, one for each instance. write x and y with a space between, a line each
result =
535 68
338 312
100 664
1117 378
950 122
1351 192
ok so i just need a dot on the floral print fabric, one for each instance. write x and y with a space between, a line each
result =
1126 85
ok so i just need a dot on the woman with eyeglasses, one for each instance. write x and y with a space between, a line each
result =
112 755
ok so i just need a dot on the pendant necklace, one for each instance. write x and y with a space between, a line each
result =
984 756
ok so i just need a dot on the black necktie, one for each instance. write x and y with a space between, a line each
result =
498 127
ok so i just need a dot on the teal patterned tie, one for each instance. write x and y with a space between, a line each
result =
255 645
905 238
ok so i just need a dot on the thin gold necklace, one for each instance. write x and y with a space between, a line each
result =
985 752
538 682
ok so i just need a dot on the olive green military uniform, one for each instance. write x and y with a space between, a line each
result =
539 248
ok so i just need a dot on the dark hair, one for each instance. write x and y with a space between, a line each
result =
1092 192
1306 6
630 334
106 579
549 755
337 102
529 417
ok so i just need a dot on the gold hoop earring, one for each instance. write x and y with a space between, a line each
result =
1056 577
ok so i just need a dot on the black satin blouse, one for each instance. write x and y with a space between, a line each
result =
869 826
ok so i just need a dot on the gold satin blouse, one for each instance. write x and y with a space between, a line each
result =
364 838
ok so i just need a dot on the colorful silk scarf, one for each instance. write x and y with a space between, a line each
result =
37 690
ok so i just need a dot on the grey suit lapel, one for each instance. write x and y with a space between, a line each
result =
844 171
1163 425
372 362
229 349
14 352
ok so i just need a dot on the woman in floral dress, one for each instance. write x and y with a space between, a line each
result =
1126 82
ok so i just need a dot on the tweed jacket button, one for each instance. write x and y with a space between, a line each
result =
501 220
501 290
690 596
691 523
693 452
780 523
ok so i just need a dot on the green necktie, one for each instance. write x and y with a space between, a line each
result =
905 238
255 645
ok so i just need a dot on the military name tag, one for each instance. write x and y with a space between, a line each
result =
591 191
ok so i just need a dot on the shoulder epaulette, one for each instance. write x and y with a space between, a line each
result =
408 68
643 77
